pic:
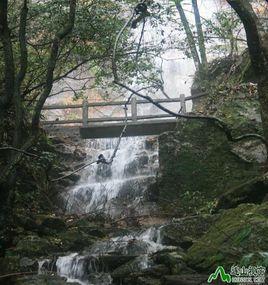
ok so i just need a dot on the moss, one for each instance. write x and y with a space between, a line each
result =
236 233
34 246
197 165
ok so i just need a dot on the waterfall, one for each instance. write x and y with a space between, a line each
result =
119 189
116 189
82 268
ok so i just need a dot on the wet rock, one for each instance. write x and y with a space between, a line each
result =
28 265
111 262
183 232
236 233
157 270
90 228
184 280
253 191
34 246
54 223
43 280
137 247
75 240
252 151
148 281
137 166
133 267
104 172
74 177
27 222
174 261
151 143
196 166
255 258
79 154
133 188
9 264
47 266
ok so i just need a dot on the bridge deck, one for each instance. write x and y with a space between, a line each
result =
140 128
144 125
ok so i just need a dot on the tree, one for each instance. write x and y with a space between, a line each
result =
189 35
200 59
257 40
200 34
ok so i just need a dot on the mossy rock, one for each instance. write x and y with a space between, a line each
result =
253 191
54 223
132 267
148 281
197 165
35 246
257 258
90 228
9 264
185 231
174 261
236 233
43 280
75 240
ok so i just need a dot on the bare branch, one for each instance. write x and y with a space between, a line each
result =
215 120
18 150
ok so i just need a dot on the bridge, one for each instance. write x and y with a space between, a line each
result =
109 127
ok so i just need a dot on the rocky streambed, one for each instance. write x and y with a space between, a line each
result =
123 224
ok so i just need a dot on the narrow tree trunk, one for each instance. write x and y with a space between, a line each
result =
9 70
189 35
200 34
17 141
263 98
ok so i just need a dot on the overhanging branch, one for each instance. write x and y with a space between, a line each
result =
215 120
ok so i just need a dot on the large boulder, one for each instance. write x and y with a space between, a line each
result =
183 232
54 223
43 280
253 191
196 166
238 234
174 261
35 246
184 280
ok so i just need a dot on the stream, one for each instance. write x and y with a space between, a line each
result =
118 191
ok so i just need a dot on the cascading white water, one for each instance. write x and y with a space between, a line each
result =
82 268
114 189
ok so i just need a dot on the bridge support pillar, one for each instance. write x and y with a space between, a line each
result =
134 109
183 103
85 113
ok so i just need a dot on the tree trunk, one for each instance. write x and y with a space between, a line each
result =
51 65
9 69
258 54
18 137
263 98
189 35
200 34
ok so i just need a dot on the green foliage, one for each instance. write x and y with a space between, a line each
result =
223 32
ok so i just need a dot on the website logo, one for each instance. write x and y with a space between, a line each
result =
220 272
238 274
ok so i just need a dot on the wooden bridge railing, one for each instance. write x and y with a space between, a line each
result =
134 116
